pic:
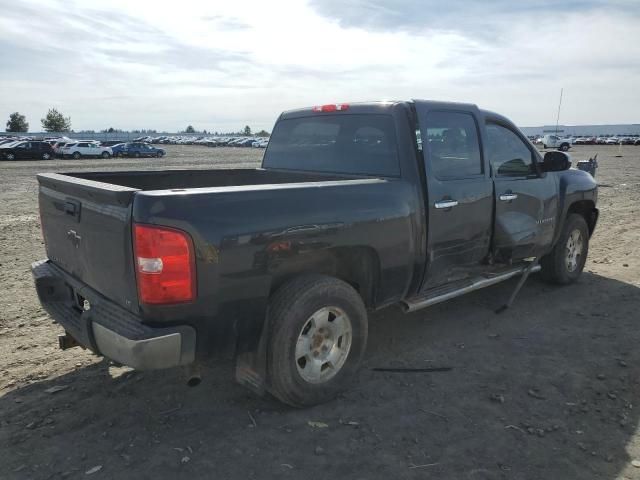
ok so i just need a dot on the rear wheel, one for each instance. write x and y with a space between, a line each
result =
105 155
317 338
76 155
564 264
10 156
46 156
136 154
564 147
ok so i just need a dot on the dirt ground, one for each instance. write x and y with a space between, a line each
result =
547 390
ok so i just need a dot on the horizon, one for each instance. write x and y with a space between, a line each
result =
156 132
216 66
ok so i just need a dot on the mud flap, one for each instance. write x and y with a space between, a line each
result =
251 364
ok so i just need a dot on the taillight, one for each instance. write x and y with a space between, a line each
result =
165 265
334 107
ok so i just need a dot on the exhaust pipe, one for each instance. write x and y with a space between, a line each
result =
193 374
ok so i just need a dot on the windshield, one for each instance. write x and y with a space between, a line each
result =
342 143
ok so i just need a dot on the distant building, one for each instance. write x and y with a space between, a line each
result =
585 130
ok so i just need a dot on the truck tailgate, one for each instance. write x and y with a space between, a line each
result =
86 227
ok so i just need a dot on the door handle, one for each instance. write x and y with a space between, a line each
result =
446 203
507 197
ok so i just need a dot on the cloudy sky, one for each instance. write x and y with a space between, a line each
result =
220 65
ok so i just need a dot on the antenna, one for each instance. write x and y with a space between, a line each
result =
558 116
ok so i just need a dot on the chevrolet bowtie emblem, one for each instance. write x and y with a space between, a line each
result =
74 237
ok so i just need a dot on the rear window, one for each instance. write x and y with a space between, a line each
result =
343 143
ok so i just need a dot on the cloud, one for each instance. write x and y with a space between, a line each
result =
178 56
141 65
226 23
469 17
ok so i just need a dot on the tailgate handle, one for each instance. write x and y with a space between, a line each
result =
71 207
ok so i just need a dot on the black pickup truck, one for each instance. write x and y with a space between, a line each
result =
355 207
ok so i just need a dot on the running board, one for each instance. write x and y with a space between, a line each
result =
427 300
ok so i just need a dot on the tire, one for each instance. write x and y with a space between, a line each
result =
76 155
10 156
136 154
564 264
303 314
46 156
544 146
105 155
564 147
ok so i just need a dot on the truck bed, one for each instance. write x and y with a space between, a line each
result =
87 216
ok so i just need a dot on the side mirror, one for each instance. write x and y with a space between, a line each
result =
556 161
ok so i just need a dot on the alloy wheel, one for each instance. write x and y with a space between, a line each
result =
323 345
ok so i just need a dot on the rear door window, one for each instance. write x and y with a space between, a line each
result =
452 145
341 143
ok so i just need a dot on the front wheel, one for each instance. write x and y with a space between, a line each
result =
46 156
318 334
564 147
564 264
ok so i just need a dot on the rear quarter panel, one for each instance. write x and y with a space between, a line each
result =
246 238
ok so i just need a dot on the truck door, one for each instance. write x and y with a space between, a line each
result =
459 192
526 200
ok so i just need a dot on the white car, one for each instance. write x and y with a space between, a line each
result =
612 141
86 149
262 143
554 141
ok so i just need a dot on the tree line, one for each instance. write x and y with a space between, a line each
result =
54 121
246 131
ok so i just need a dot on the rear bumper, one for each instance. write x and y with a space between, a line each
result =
106 328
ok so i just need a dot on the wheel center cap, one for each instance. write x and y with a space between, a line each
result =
321 344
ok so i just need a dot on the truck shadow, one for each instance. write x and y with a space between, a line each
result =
544 390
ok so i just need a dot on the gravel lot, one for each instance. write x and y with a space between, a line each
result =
547 390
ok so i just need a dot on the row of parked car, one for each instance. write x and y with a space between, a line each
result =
551 140
633 140
208 141
27 149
